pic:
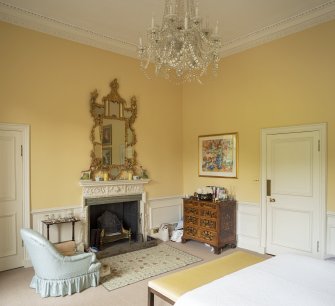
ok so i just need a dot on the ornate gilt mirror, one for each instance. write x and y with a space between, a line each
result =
112 135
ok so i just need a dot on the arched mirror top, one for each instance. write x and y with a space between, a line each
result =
113 136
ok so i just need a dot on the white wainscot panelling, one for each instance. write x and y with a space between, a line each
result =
165 210
331 233
58 232
249 227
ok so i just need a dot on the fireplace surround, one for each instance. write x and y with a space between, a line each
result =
100 195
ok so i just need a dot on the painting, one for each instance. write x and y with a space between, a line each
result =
107 135
85 175
107 156
218 155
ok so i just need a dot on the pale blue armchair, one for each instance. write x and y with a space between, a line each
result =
55 274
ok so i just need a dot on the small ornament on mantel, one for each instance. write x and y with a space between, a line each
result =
106 176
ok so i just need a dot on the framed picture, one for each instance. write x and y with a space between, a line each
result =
107 135
85 175
218 155
107 156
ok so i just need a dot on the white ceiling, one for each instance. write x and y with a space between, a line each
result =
116 25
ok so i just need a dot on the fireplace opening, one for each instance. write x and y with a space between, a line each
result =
111 229
113 220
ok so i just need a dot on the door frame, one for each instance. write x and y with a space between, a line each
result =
25 130
322 129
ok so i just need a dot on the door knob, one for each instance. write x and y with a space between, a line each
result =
272 200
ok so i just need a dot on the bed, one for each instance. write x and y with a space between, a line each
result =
282 280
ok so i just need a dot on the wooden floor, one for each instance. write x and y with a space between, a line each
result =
15 291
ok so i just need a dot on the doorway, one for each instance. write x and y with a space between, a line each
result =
294 190
14 193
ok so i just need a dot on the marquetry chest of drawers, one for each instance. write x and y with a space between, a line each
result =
213 223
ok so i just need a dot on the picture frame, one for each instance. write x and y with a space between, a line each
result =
218 155
107 135
85 175
106 155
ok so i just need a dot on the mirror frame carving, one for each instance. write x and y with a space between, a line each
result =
98 113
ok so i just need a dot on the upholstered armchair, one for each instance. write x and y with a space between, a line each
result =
55 274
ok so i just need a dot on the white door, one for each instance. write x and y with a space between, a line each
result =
11 201
293 193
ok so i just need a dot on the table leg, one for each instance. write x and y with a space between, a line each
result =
73 230
48 225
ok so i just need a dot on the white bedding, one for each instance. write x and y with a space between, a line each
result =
284 280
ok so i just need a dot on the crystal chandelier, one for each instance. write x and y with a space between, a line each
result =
183 46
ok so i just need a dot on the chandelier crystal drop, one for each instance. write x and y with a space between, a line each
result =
183 46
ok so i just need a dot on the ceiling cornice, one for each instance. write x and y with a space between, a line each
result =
296 23
31 20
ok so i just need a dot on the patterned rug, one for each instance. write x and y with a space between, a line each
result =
135 266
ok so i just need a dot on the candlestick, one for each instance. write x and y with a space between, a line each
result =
217 28
170 9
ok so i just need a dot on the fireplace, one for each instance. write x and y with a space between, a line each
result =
125 199
113 219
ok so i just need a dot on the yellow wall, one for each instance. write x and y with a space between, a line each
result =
46 83
286 82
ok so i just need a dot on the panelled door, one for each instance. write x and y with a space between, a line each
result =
293 193
11 199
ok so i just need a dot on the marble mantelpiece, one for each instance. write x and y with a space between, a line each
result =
111 189
95 189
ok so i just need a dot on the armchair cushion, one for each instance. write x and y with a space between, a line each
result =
55 274
67 248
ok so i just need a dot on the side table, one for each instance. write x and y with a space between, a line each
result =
60 221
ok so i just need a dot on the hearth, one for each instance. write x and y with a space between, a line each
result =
125 247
